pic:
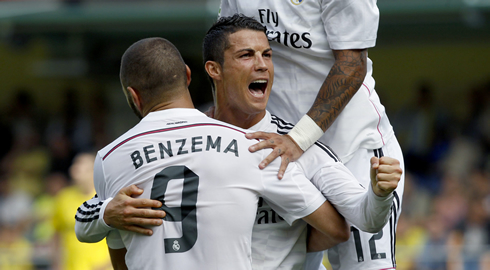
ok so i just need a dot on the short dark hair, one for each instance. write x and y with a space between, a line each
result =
154 67
216 40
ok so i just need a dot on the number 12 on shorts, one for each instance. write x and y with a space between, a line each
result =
372 245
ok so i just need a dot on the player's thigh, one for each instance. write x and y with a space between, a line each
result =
360 165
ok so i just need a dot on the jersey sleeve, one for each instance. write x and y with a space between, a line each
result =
294 196
114 240
360 206
89 222
227 8
350 24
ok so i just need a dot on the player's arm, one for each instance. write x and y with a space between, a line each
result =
368 212
343 81
117 258
385 175
117 250
331 227
133 214
367 208
89 227
318 241
96 218
295 197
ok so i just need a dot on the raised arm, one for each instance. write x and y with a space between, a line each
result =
370 210
343 81
367 208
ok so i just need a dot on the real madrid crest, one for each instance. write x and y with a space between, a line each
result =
297 2
176 245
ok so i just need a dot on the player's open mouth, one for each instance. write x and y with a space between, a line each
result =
258 87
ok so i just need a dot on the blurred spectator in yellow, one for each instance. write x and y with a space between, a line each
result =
74 255
409 238
15 249
15 213
42 234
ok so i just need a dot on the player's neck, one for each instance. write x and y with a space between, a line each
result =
182 102
238 119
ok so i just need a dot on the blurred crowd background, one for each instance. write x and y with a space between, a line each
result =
61 101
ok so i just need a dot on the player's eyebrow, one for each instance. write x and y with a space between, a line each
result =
245 50
252 50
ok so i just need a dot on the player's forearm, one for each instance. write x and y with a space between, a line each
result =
377 211
358 205
317 241
330 224
343 81
89 226
117 258
366 210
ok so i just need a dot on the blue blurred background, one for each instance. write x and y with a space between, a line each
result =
60 97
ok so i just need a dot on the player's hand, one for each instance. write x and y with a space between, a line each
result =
130 214
385 175
283 146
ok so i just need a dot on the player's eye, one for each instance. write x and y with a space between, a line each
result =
267 53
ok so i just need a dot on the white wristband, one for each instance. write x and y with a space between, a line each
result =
306 132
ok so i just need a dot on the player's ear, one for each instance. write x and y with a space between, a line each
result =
135 96
188 74
213 69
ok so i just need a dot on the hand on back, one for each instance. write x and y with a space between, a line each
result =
283 146
133 214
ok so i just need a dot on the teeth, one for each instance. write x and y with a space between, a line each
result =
260 81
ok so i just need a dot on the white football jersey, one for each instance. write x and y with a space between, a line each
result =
209 183
302 34
276 244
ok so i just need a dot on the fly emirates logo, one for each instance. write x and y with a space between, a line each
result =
289 39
